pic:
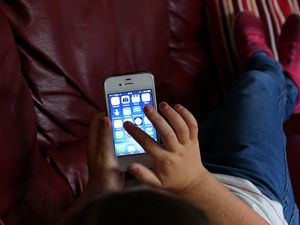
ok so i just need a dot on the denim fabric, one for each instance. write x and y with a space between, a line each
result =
245 136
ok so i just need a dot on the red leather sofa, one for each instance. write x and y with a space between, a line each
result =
54 56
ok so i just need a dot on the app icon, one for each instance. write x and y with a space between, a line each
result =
146 97
126 111
136 109
146 120
135 98
138 121
120 149
131 148
119 135
128 136
115 101
139 148
125 99
128 119
150 131
118 123
116 112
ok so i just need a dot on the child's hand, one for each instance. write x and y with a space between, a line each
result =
104 174
177 161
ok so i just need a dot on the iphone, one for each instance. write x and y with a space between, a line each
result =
126 95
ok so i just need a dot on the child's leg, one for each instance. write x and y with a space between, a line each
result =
249 139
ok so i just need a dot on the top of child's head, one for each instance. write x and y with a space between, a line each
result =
139 207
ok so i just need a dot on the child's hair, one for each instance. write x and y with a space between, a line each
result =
139 207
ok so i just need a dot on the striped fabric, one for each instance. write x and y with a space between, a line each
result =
220 15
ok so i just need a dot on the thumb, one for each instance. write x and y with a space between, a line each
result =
105 143
144 174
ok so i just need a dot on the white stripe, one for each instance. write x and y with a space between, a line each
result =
231 7
223 37
229 13
291 4
248 5
274 16
268 17
256 9
296 6
280 13
240 5
231 26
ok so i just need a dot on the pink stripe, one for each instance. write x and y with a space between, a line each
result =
286 8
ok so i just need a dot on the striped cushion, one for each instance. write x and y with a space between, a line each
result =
220 15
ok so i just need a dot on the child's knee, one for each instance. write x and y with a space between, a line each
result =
262 80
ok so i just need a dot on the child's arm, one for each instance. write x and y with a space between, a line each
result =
178 167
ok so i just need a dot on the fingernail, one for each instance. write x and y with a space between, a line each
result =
127 123
163 105
178 106
104 121
135 170
148 108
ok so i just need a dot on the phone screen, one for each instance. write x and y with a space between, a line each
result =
128 106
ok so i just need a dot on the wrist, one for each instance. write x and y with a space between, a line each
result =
197 185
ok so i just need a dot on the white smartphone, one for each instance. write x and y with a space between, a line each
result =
126 96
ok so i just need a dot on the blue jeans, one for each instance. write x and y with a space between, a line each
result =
245 136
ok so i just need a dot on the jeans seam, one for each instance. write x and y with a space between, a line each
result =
283 149
293 214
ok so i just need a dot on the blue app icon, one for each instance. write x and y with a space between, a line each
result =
137 109
120 149
119 135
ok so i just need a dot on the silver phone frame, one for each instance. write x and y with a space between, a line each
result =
130 82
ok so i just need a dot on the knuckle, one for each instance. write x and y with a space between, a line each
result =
155 117
145 143
170 135
183 129
151 113
194 125
167 162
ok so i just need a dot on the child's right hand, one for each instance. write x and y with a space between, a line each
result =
178 165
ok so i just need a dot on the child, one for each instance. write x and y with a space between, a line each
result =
241 176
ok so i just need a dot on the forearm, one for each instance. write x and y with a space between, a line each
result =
219 204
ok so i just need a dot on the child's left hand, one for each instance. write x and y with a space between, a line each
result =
104 173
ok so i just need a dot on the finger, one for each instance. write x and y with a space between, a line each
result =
105 147
189 120
113 180
166 132
148 143
176 121
93 136
144 175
